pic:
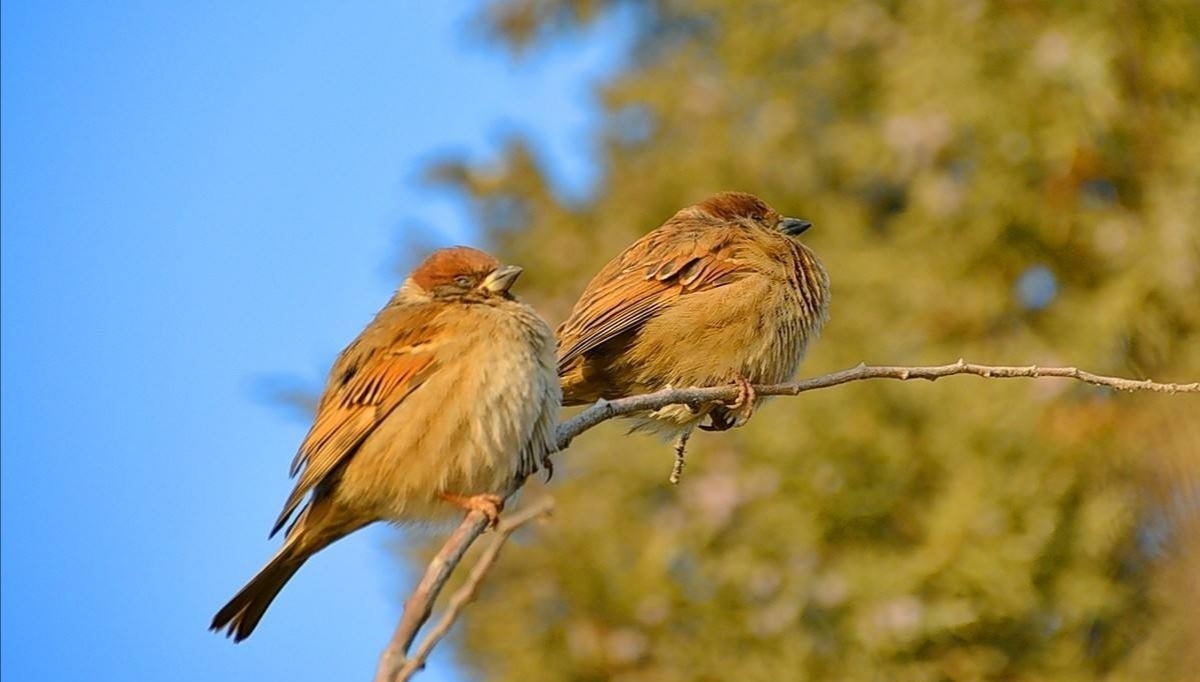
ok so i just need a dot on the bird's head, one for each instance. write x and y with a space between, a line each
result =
749 210
462 272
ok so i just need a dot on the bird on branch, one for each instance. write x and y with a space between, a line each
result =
445 399
723 292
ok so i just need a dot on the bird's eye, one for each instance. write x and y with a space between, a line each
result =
463 281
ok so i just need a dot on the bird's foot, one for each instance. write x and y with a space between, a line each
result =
743 405
548 465
735 414
718 420
489 505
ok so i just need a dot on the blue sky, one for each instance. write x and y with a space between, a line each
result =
195 196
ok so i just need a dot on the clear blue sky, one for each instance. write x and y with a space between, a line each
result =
195 195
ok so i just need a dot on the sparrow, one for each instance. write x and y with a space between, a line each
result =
723 292
445 398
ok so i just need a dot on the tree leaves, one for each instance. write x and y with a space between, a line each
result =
946 153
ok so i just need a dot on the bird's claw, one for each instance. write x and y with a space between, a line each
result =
732 415
718 420
743 405
487 504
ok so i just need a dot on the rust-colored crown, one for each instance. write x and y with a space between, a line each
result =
734 205
443 265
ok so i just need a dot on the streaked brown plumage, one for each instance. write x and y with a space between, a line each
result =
721 293
447 396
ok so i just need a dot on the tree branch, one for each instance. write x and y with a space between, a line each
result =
394 667
419 606
466 593
608 409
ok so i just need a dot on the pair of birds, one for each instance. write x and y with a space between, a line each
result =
453 390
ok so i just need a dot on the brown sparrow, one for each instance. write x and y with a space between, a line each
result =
446 397
723 292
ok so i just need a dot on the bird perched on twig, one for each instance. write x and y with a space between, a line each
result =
723 292
445 398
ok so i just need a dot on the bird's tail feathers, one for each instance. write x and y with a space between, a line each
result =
240 616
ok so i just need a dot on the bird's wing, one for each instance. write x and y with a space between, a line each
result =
647 277
371 378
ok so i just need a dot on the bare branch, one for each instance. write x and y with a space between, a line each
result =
393 666
419 606
608 409
466 593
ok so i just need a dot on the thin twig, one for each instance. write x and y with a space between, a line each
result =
419 606
466 593
608 409
681 442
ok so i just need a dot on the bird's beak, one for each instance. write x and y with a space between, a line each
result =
502 278
794 226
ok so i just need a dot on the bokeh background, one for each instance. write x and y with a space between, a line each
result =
201 205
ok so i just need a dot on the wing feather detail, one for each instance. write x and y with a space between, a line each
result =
646 278
370 379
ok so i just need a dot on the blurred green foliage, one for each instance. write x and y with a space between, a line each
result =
1010 182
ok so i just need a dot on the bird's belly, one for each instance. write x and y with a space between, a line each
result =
725 339
777 354
464 443
729 334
